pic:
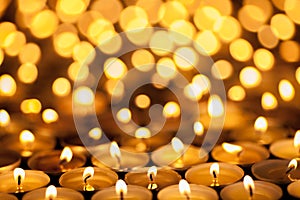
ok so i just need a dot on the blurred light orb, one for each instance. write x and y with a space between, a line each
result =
250 77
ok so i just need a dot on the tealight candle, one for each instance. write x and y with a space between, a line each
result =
276 171
9 160
214 174
27 143
110 155
88 179
53 193
56 161
249 189
184 191
152 178
293 189
178 155
287 148
19 180
243 153
262 132
4 196
122 191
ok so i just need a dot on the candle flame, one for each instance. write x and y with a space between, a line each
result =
292 165
184 187
261 124
232 148
297 140
19 175
268 101
88 173
26 137
66 154
214 170
142 133
115 150
152 171
177 145
49 116
286 90
121 187
4 118
51 193
198 128
249 184
215 106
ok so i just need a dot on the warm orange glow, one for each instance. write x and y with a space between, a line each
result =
250 77
297 140
177 145
19 176
205 17
26 137
171 11
4 118
30 53
228 28
222 69
207 43
133 17
283 27
198 128
115 150
142 101
61 87
268 101
263 59
215 106
51 193
252 17
8 86
193 91
124 115
83 96
95 133
166 68
110 9
202 83
66 154
27 73
241 50
114 68
297 75
171 109
182 32
142 132
83 52
14 42
142 60
291 7
78 72
249 185
289 50
185 58
29 106
232 148
236 93
267 37
286 90
121 187
261 124
214 170
49 116
184 187
161 43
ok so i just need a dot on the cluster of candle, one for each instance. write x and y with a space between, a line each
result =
134 152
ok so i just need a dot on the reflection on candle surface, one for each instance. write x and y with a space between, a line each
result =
115 153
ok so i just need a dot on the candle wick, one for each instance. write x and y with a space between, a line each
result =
19 180
214 174
151 177
251 192
63 162
86 178
187 196
121 195
289 170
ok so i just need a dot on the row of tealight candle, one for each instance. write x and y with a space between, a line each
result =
223 175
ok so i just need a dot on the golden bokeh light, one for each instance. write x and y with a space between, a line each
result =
185 58
110 9
151 8
264 5
124 115
205 17
5 29
61 87
31 6
227 28
215 106
291 7
252 17
267 37
70 10
83 52
171 11
250 77
83 96
223 6
27 73
236 93
241 50
182 32
222 69
14 42
4 118
30 53
161 43
142 101
114 68
31 106
166 68
286 90
100 30
268 101
207 43
143 60
202 82
133 17
297 75
49 116
77 71
193 92
263 59
44 24
95 133
289 50
198 128
1 56
115 87
8 86
171 109
279 4
283 27
142 132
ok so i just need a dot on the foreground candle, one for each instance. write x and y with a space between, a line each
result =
293 189
9 160
122 191
214 174
249 189
56 161
184 191
53 193
243 153
152 178
178 155
88 179
19 180
4 196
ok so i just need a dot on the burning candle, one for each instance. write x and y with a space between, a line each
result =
110 155
243 153
185 191
178 155
214 174
19 180
287 148
27 143
56 161
263 131
121 191
249 189
153 178
9 160
88 179
53 193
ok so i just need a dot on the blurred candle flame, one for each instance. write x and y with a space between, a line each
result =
184 187
292 166
66 154
214 170
232 148
26 137
51 193
4 118
297 140
198 128
121 188
142 133
115 150
19 176
215 106
152 172
177 145
88 173
249 185
261 124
